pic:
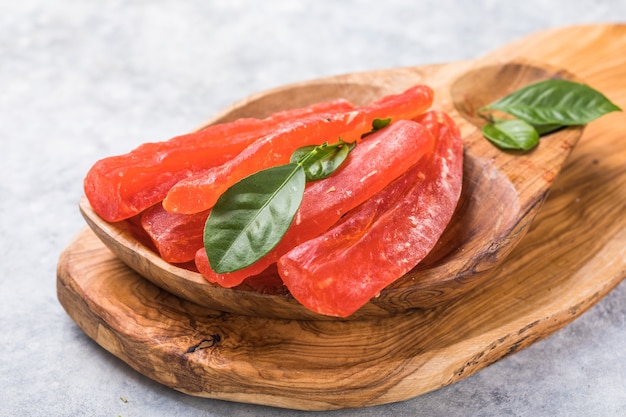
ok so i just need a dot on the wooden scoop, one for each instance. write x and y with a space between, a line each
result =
502 192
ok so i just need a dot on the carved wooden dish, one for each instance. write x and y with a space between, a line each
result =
502 192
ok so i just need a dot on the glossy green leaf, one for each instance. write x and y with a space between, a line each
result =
555 102
512 134
545 129
377 124
252 216
321 161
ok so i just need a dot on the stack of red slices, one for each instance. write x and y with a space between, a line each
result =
355 232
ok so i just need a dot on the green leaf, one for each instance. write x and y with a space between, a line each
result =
545 129
252 216
555 102
377 124
512 134
321 161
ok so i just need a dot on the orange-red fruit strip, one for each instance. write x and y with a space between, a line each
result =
177 237
121 186
384 238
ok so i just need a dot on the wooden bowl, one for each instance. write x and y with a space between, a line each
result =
502 193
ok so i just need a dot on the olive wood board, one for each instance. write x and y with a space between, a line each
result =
573 254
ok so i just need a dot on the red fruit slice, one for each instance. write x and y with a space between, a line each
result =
119 187
381 240
200 192
374 163
177 237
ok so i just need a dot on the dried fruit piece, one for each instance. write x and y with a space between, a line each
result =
177 237
378 242
200 192
121 186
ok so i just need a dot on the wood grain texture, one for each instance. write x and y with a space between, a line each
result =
573 253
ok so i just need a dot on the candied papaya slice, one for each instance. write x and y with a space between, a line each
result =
121 186
381 240
177 237
370 167
200 192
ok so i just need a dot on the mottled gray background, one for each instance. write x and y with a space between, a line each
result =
80 80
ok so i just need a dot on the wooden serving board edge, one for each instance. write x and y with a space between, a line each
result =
399 358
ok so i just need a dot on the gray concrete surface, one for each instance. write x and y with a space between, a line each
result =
80 80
